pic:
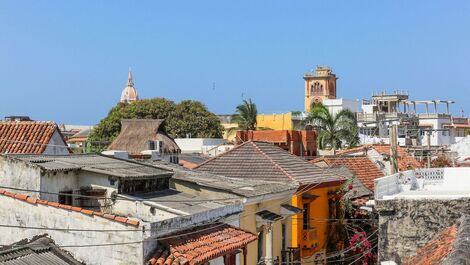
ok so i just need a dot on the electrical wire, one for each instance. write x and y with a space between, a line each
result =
299 192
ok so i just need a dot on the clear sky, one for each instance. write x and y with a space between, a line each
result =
67 61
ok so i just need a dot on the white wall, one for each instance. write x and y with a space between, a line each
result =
56 145
20 213
336 105
198 145
437 138
14 173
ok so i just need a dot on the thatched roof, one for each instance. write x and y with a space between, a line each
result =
136 133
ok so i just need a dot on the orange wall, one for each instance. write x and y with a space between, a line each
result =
319 213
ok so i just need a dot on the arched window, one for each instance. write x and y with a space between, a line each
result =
321 88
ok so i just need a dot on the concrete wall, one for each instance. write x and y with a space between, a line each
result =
406 225
73 180
20 213
140 210
20 175
56 145
337 105
437 138
198 145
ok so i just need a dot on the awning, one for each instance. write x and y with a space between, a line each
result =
289 210
265 216
200 244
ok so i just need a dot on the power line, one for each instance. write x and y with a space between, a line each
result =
115 198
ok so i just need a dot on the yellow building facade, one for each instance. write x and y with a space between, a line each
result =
281 121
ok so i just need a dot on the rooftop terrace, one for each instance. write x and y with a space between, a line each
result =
429 183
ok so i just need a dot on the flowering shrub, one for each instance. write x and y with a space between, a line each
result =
360 244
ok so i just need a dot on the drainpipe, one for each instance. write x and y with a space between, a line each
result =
269 245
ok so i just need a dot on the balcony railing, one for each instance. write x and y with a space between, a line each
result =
424 183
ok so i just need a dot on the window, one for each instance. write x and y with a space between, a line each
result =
143 185
151 145
66 197
306 217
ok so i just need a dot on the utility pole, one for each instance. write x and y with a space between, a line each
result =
429 133
393 149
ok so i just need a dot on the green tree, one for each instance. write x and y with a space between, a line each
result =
246 115
192 117
180 119
333 129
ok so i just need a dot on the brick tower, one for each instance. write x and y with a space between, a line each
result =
319 85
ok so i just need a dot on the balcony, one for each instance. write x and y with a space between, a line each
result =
372 117
429 183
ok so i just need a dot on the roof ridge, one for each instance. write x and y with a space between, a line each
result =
31 200
274 162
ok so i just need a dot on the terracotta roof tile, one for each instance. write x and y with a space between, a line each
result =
32 200
405 161
26 137
201 244
435 251
361 166
265 161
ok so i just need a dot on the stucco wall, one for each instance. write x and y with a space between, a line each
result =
275 121
406 225
60 181
56 146
20 213
248 222
141 211
20 175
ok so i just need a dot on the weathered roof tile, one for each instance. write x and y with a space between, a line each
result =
265 161
26 137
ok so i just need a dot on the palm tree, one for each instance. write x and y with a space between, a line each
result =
333 129
246 115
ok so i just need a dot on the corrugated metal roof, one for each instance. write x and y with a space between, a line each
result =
94 163
38 251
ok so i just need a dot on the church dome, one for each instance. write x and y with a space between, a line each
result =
129 93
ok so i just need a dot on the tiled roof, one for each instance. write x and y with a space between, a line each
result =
25 137
451 246
191 160
35 201
435 251
405 161
201 244
241 187
361 166
41 250
94 163
265 161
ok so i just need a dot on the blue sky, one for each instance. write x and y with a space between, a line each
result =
67 61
